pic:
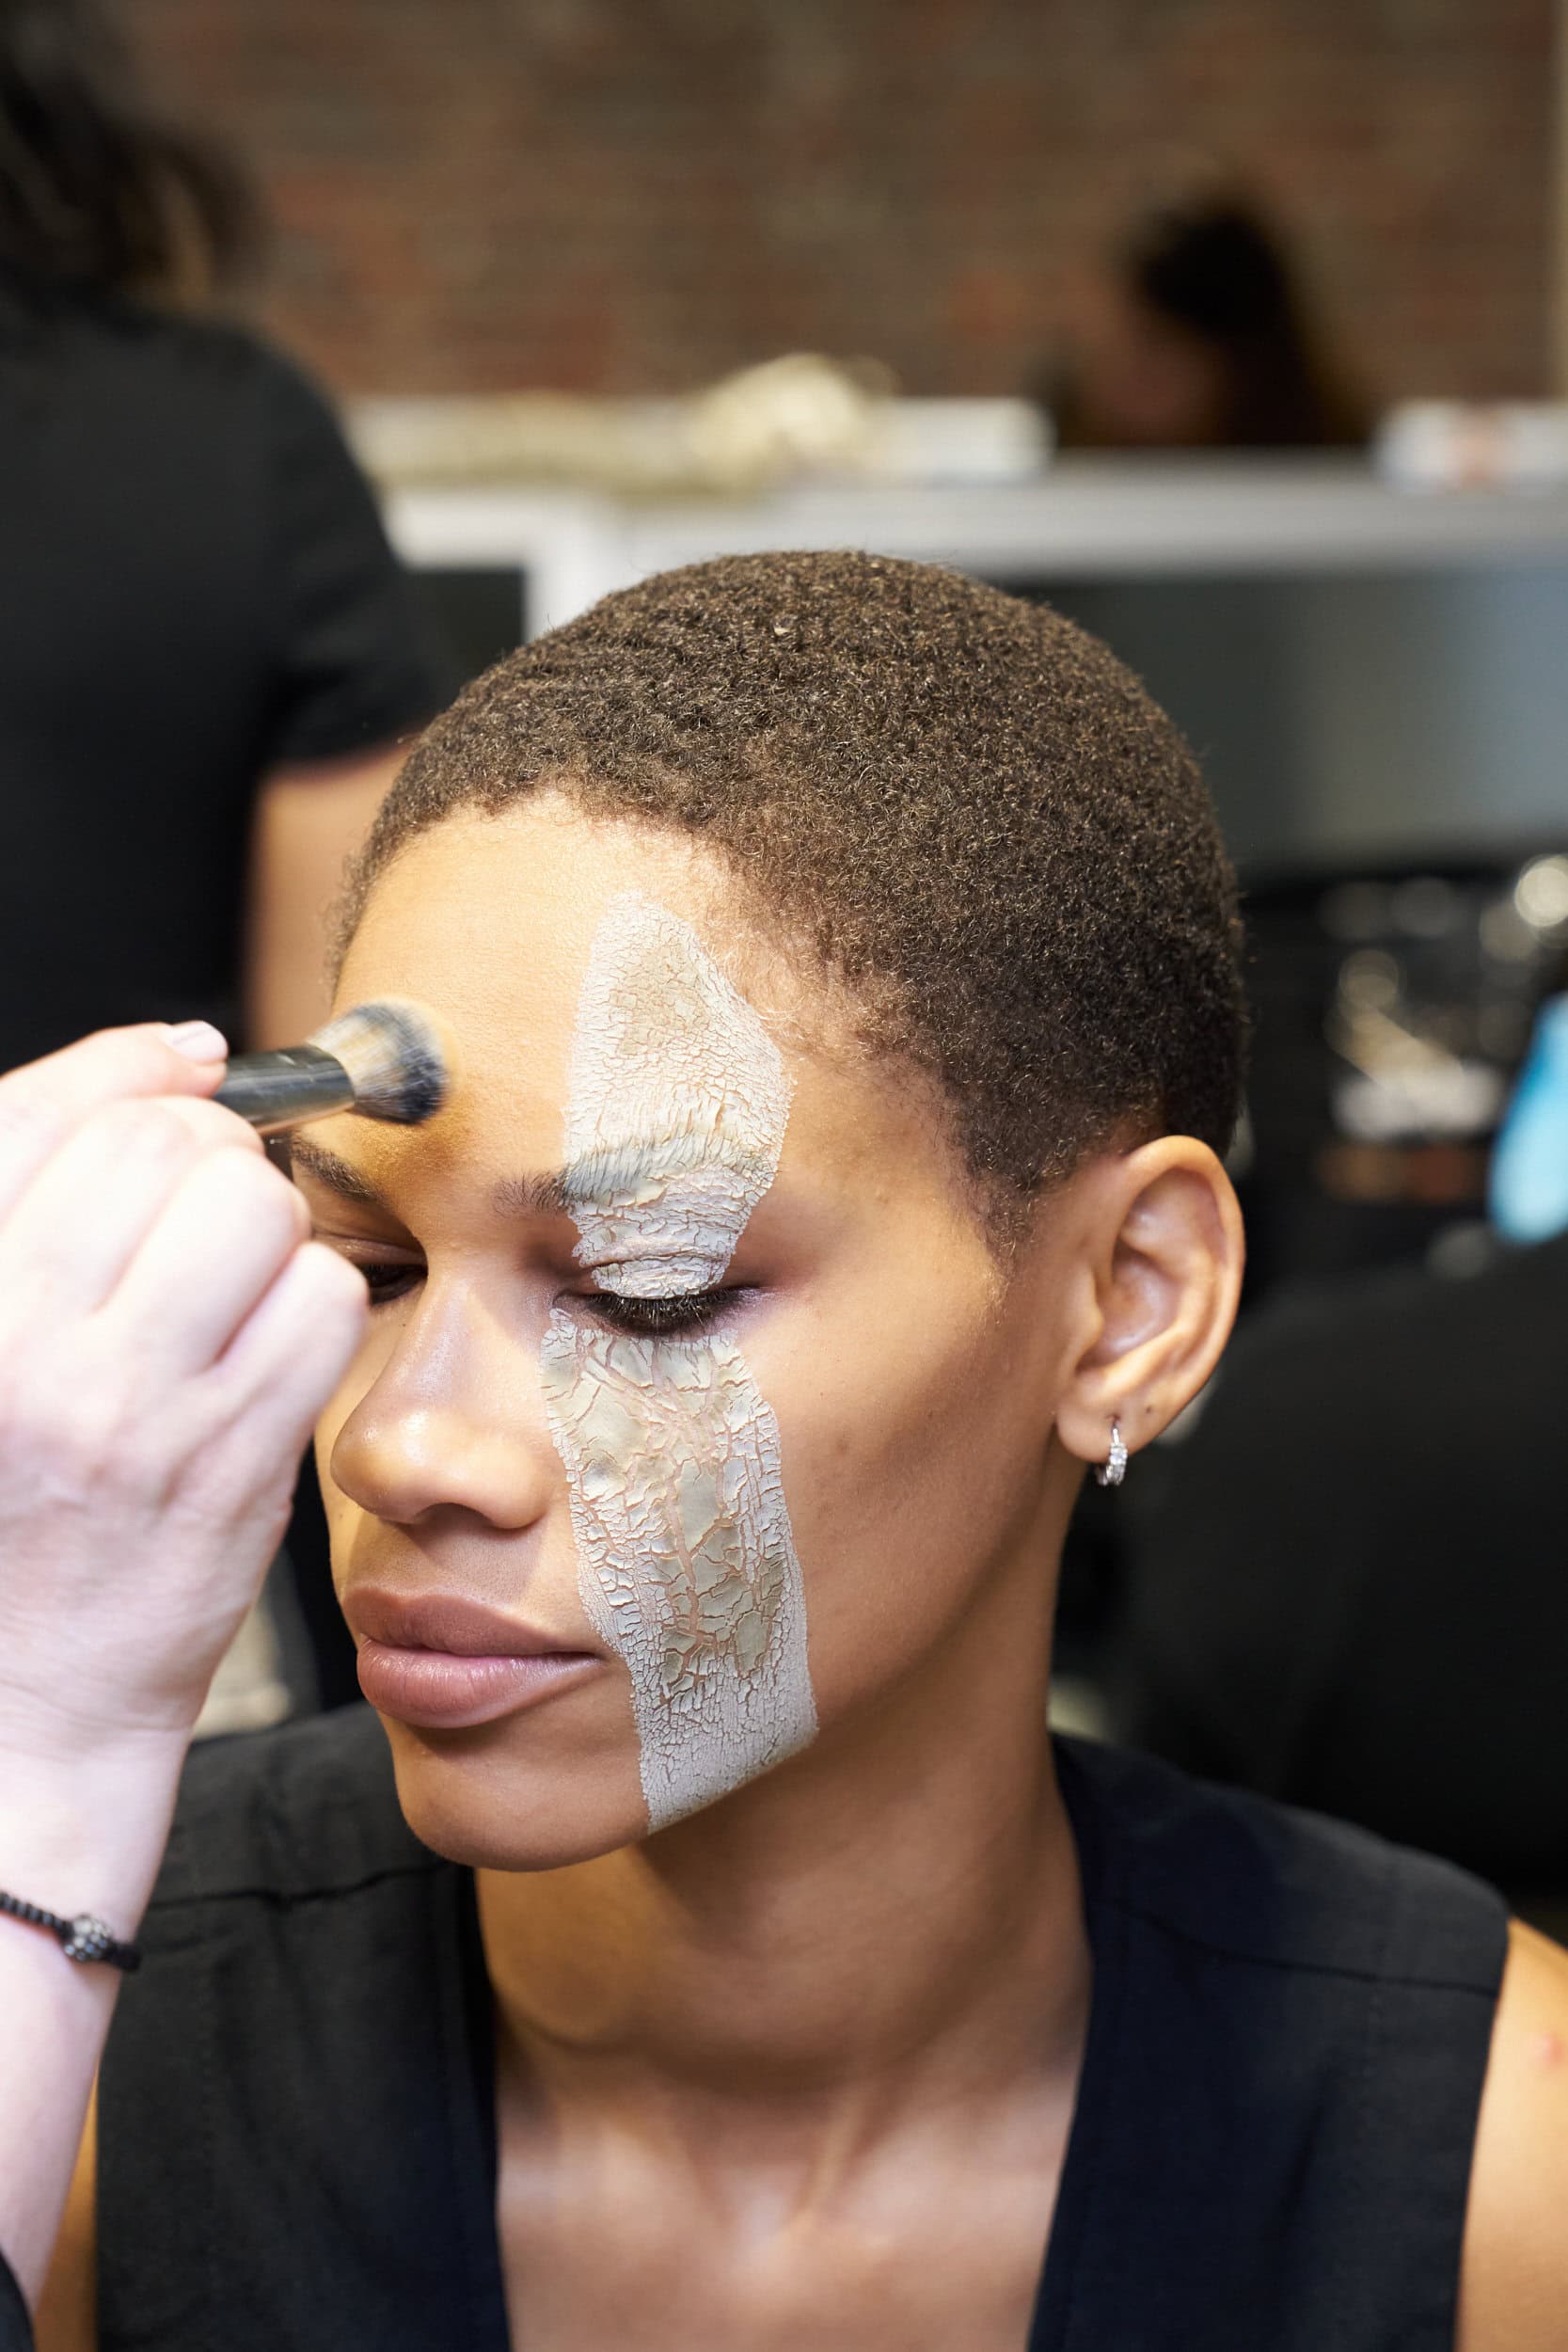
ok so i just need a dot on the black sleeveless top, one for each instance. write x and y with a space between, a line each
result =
1271 2150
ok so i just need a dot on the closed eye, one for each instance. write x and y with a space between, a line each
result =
388 1281
386 1278
684 1315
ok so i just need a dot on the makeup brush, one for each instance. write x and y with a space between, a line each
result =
382 1060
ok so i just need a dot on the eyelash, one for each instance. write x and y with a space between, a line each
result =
385 1281
684 1315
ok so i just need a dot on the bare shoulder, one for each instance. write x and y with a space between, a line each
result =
1513 2296
67 2319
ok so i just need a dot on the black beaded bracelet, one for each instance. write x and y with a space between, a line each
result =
81 1938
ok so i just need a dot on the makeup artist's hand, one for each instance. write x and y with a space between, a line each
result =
167 1335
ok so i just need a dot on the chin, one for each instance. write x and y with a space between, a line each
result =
469 1795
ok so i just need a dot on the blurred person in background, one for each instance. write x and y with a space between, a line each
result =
1196 334
207 652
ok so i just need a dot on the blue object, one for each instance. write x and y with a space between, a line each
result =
1527 1192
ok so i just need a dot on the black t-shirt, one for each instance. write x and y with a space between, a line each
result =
195 587
16 2332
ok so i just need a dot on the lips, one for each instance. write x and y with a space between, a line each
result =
443 1662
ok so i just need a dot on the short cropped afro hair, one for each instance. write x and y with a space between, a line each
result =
964 807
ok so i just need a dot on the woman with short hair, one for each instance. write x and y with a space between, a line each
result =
704 1942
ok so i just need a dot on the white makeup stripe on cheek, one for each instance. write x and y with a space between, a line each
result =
686 1560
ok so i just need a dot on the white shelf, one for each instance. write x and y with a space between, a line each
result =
1086 519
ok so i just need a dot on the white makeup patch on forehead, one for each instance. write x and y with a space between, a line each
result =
686 1561
678 1104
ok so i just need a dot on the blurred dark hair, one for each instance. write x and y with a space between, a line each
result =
1205 262
1216 267
97 189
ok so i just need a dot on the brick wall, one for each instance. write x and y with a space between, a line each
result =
622 194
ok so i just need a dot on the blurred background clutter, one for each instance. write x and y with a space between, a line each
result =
1237 328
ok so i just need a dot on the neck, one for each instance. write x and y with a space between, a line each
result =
892 1912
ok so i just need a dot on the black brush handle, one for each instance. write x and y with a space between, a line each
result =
275 1091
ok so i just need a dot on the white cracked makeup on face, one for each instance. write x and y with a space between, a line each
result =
676 1110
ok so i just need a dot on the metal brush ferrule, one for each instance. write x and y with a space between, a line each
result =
276 1091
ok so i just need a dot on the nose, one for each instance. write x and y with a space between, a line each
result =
453 1420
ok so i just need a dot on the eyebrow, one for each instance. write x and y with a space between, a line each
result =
336 1175
605 1177
515 1196
532 1196
596 1179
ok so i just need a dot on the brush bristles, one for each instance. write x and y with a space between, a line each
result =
394 1059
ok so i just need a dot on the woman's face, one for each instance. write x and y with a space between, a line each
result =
694 1422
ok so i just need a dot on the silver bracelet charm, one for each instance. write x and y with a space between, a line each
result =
84 1938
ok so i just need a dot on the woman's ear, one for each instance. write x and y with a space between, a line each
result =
1162 1234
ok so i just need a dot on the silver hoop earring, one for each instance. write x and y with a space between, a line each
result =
1113 1469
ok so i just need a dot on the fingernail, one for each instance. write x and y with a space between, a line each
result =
199 1040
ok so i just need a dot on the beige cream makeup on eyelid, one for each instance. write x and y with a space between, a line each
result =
678 1104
